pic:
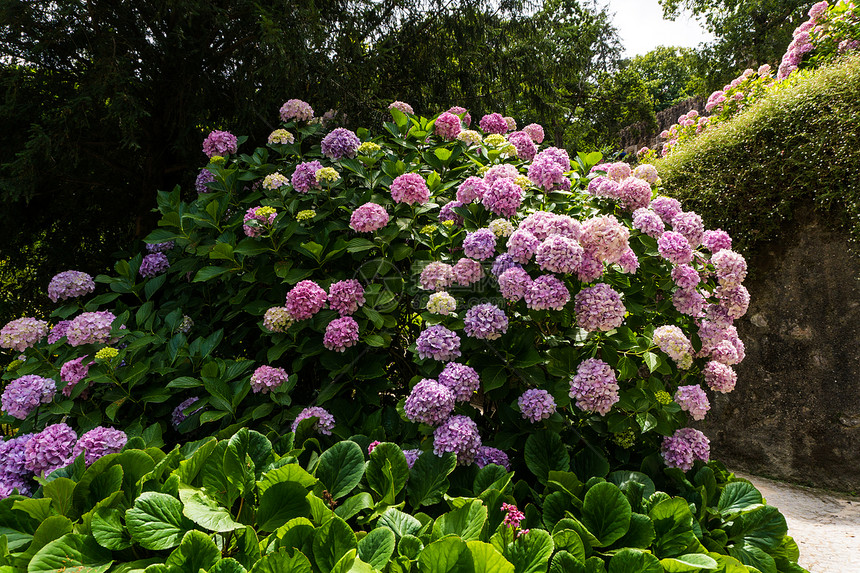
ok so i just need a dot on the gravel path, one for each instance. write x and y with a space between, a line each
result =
826 526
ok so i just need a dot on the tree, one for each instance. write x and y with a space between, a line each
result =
749 32
670 74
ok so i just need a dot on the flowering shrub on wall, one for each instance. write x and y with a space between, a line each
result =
448 290
832 30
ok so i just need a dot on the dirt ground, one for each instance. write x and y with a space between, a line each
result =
826 526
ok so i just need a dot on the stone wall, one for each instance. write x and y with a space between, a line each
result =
795 413
639 135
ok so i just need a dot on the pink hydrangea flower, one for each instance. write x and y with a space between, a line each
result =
410 188
368 218
305 300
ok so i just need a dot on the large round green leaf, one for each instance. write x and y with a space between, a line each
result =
332 540
156 521
108 529
377 547
428 478
69 553
196 551
564 562
447 555
340 468
634 561
545 452
485 558
530 552
673 527
606 513
282 502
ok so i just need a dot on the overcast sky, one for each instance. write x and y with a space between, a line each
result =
642 28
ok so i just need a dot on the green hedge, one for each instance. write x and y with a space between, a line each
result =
799 144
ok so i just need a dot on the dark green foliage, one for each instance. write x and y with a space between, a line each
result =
796 146
670 74
173 520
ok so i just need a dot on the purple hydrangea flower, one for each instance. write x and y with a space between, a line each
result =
23 395
178 416
13 474
304 177
675 248
604 187
628 262
735 300
267 378
716 240
368 218
22 333
498 172
467 271
548 174
411 456
480 244
558 254
70 284
410 188
90 328
538 224
447 213
547 292
296 109
429 403
205 176
522 141
493 123
340 334
731 267
564 225
485 322
502 263
689 302
472 189
462 380
340 143
447 126
514 283
605 238
438 343
599 308
522 245
648 222
402 107
153 265
684 447
536 405
635 193
220 143
305 300
346 296
693 399
503 197
50 449
160 247
487 455
690 225
73 372
594 386
436 276
99 442
666 208
57 332
535 131
685 276
591 268
325 423
720 377
459 434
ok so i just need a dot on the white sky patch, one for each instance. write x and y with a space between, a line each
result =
642 28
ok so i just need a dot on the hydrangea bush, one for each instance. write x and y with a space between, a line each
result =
444 292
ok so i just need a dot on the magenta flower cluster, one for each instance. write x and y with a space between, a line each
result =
684 447
258 223
340 334
267 378
368 218
461 380
305 300
429 403
480 244
23 395
594 386
410 188
599 308
503 197
50 449
296 109
346 296
485 322
487 455
693 399
438 343
90 328
472 189
220 143
99 442
547 292
459 434
304 177
493 123
22 333
437 276
447 126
